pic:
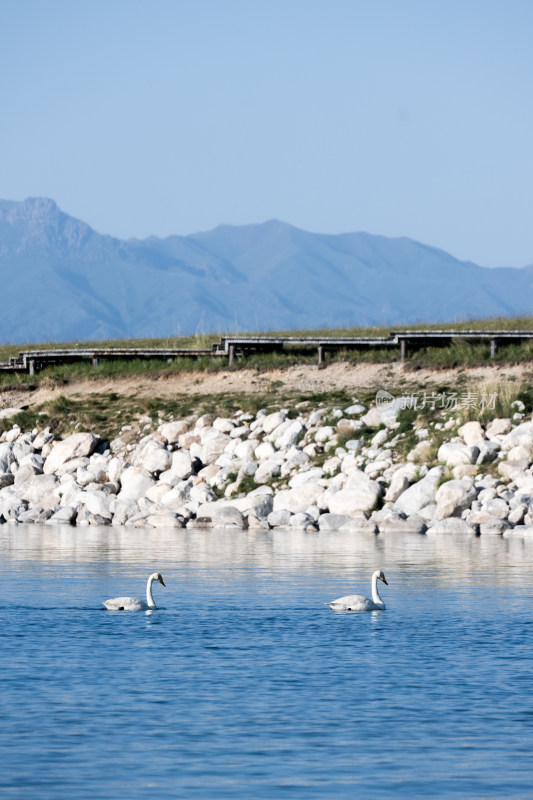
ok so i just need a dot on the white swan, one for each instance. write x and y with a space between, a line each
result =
133 603
358 602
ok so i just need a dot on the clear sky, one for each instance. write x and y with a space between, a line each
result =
397 117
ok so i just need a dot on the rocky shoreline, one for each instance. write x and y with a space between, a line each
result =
322 469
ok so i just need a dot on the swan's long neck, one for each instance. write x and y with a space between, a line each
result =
375 594
149 598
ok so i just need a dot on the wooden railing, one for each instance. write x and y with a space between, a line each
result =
233 347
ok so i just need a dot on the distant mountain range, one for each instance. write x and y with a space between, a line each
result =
62 281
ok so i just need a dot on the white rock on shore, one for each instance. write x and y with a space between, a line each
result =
275 470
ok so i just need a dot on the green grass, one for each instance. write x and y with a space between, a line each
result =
83 370
105 414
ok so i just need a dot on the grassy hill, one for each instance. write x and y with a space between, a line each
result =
459 353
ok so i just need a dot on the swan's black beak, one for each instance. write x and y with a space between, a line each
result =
161 581
384 580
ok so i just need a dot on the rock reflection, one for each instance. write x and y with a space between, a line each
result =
446 557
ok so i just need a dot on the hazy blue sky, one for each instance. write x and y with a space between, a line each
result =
397 117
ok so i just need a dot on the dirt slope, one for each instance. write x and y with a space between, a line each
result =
311 379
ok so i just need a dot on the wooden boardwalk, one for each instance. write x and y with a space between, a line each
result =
406 341
233 347
32 361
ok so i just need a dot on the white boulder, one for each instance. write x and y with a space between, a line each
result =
455 454
296 500
152 455
498 428
398 485
271 421
359 496
293 432
173 430
471 432
420 494
267 470
450 525
78 445
134 483
454 497
7 456
213 445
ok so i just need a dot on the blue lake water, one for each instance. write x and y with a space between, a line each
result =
244 685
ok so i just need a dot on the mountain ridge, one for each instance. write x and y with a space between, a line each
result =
64 281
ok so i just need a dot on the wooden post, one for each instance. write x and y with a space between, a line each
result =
231 354
493 347
321 354
403 349
31 366
95 361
